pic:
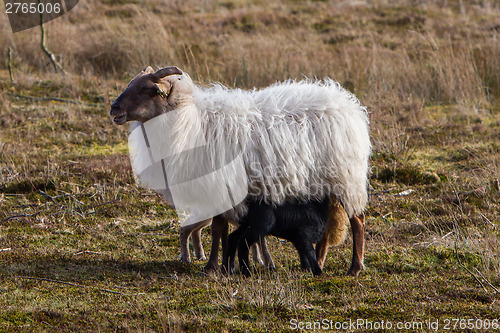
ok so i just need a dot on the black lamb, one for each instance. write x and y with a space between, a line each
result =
301 223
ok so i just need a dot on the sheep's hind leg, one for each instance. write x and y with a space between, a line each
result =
322 250
358 229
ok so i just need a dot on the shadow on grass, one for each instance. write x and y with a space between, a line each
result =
85 270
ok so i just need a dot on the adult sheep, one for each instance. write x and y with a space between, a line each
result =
302 140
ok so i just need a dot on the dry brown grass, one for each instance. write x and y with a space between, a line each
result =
396 58
429 52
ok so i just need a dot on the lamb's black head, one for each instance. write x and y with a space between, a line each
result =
144 97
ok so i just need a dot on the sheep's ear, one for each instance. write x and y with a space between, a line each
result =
148 70
164 88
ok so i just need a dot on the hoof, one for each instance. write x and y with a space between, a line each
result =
246 273
260 262
271 268
185 260
208 269
355 270
206 273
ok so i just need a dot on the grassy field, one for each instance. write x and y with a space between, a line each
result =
84 249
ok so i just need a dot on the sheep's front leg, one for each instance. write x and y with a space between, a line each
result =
196 236
220 228
185 234
186 231
358 229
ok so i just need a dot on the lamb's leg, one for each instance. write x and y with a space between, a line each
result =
196 237
307 256
301 247
358 228
249 238
257 224
268 260
316 270
219 232
304 261
259 227
229 251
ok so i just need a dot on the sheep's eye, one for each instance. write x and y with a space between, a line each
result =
152 91
160 92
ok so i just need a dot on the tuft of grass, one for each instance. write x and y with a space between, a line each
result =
406 175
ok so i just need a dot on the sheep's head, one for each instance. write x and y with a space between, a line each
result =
152 93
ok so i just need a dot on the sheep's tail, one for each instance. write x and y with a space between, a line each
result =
335 232
336 228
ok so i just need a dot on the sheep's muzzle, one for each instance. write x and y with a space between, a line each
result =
120 116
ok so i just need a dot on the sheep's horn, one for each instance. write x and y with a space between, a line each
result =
161 73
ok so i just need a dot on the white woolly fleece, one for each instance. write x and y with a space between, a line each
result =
298 140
